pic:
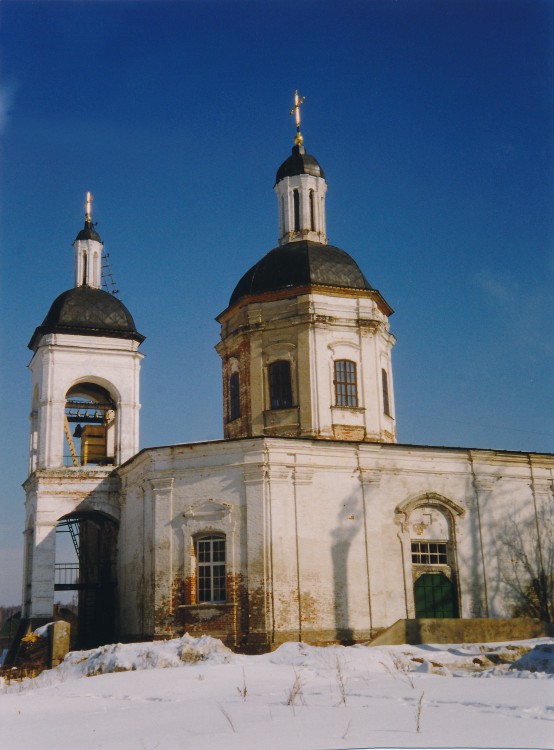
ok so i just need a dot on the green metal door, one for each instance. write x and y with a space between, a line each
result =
434 596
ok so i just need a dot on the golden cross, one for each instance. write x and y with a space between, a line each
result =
296 112
88 206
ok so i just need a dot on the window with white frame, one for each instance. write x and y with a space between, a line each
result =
429 553
210 556
346 387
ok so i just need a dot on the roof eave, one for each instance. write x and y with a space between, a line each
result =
296 291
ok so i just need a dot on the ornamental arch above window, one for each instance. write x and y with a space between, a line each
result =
211 568
346 385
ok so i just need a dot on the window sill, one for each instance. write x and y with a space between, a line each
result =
207 605
356 409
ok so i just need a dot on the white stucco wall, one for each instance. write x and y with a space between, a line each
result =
319 531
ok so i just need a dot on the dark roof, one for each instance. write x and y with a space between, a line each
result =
300 264
88 232
299 163
88 311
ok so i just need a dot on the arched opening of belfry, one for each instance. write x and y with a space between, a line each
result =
89 424
85 577
433 556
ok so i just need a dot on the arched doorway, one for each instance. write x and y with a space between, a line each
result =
85 567
433 556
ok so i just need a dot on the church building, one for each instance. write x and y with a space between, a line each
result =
308 520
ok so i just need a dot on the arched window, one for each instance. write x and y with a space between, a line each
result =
296 202
346 388
312 211
210 556
386 400
234 396
280 390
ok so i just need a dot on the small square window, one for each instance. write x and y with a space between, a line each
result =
429 553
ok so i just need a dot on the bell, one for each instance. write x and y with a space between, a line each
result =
78 431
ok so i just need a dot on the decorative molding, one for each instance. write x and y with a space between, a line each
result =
161 484
254 473
369 477
343 343
432 499
303 475
485 483
279 473
543 486
208 510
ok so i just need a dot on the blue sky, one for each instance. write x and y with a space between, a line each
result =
433 122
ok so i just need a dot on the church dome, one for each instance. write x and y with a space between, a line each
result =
87 311
88 233
299 162
298 264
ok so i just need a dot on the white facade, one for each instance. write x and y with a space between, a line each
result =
319 534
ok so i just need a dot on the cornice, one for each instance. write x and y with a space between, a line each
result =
291 293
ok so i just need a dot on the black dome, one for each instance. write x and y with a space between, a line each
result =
88 233
300 264
88 311
299 163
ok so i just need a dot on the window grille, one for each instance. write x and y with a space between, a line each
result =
346 390
210 551
234 396
280 390
429 553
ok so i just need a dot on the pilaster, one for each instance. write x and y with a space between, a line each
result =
257 556
162 514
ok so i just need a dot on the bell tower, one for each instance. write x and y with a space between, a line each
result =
84 422
305 340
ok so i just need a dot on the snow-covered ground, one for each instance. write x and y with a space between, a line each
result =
194 693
